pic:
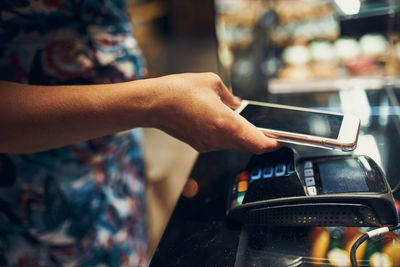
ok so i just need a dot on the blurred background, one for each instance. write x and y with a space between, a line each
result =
260 48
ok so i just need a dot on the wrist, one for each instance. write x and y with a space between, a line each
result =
146 102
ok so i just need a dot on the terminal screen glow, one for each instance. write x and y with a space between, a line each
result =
342 177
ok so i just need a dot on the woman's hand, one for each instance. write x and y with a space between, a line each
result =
198 109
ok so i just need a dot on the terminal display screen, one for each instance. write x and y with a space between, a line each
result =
342 177
347 175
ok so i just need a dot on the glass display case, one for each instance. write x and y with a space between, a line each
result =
308 45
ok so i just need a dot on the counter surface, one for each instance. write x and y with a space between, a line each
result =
199 234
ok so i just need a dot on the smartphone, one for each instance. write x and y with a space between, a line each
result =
303 126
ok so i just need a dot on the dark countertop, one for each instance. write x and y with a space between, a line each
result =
199 234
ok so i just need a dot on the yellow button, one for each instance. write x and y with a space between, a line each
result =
242 186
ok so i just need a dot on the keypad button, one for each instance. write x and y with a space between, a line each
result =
308 172
244 176
242 186
240 197
310 181
308 165
280 170
255 174
268 172
312 190
290 168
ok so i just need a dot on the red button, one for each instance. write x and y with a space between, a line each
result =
244 176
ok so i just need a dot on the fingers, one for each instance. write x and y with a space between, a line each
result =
247 137
241 135
254 140
263 144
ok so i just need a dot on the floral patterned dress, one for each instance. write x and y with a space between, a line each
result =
81 205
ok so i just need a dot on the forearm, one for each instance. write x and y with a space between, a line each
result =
36 118
195 108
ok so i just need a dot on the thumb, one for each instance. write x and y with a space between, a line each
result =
228 98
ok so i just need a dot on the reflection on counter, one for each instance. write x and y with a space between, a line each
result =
308 40
315 246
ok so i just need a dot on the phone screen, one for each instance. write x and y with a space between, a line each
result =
295 121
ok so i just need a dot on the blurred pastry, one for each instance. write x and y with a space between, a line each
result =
322 51
324 69
301 21
296 72
302 32
374 46
347 48
235 21
296 55
290 11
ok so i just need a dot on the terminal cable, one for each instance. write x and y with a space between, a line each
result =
365 237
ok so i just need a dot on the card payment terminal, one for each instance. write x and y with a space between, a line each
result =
279 188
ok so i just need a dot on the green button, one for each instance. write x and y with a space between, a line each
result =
240 197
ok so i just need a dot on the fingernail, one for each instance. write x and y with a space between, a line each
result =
238 99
